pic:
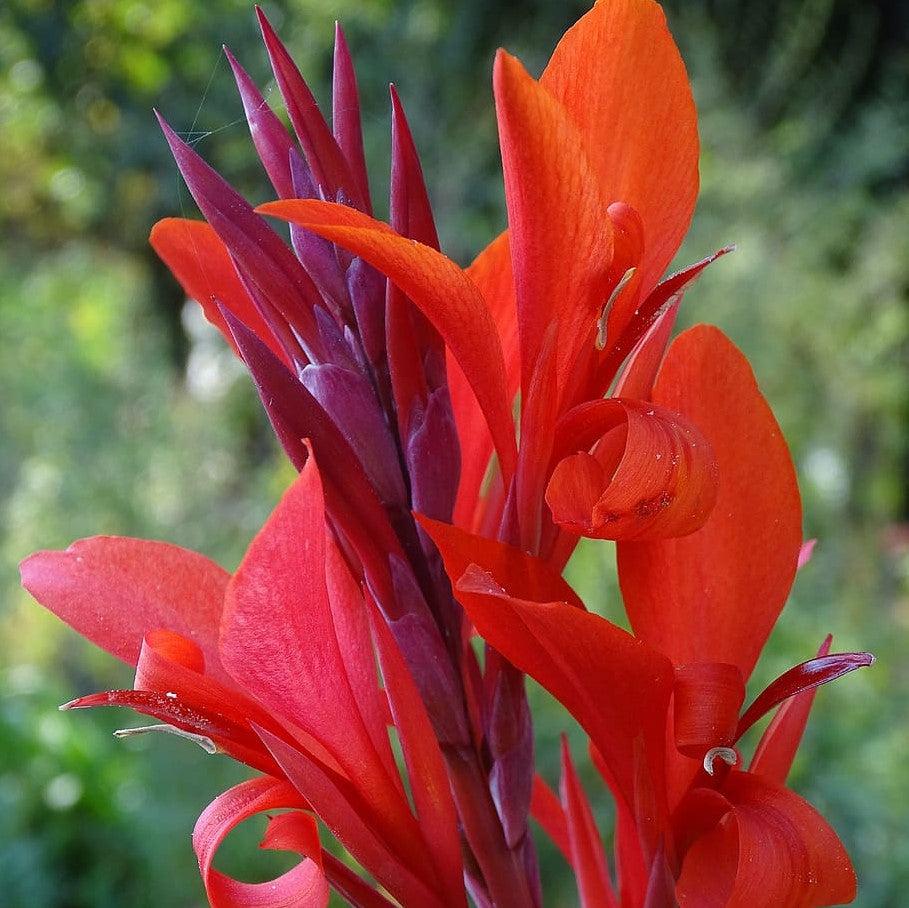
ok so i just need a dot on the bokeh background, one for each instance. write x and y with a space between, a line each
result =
121 412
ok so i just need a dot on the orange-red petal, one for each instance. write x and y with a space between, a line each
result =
713 596
619 75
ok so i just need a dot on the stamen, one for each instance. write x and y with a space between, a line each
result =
726 754
607 308
206 744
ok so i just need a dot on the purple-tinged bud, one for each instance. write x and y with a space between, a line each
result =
322 153
422 647
510 736
336 344
345 116
367 294
433 455
273 144
317 255
265 261
351 403
296 416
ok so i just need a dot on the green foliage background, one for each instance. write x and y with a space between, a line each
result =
121 413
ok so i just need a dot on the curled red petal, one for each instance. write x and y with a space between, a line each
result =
706 699
771 848
652 475
385 848
304 886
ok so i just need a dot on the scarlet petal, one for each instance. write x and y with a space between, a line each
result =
714 595
638 376
385 853
425 765
772 849
651 476
491 272
588 860
441 290
523 575
114 590
547 810
280 641
560 235
304 886
619 75
201 263
614 685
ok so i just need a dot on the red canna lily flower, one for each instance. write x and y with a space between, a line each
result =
430 505
663 709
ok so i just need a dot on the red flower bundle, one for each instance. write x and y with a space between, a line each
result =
431 507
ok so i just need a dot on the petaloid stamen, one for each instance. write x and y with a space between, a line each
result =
206 744
727 754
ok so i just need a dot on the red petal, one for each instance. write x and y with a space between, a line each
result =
619 75
614 685
437 286
713 596
773 848
523 575
547 810
203 266
588 859
280 641
638 376
799 679
491 272
560 235
114 590
652 475
304 886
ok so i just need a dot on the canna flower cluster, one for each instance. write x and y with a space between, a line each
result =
456 431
